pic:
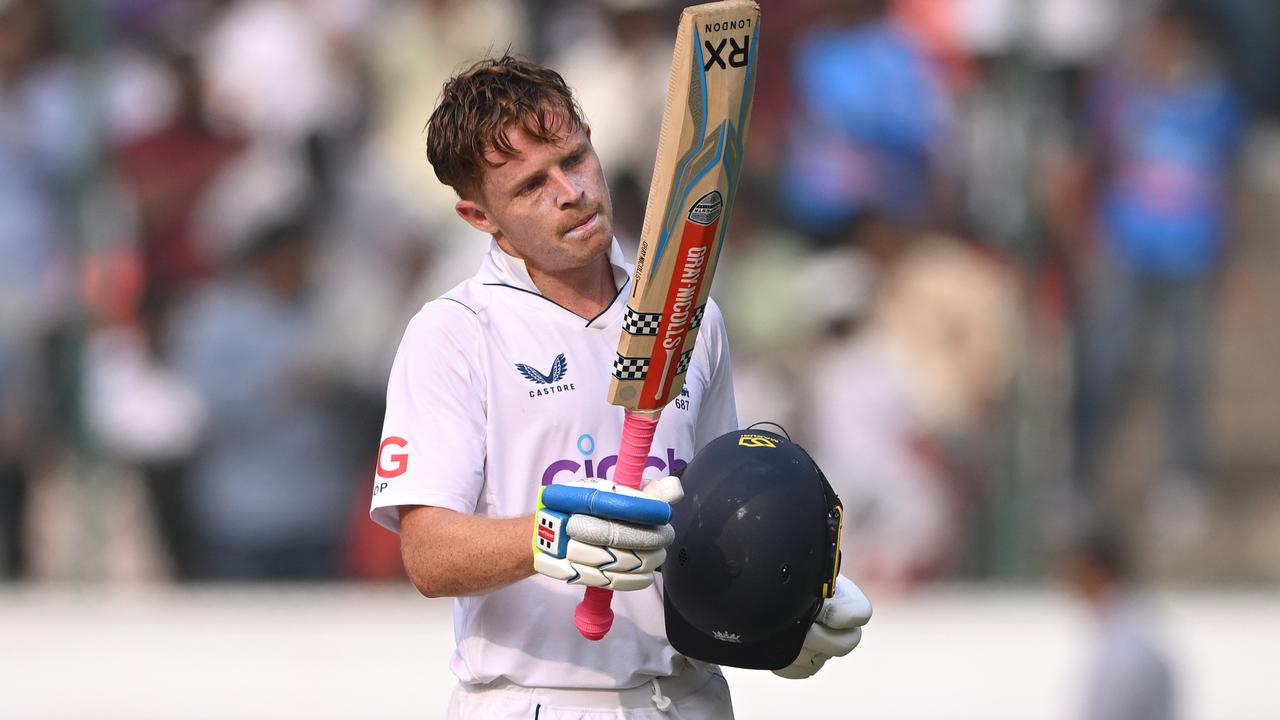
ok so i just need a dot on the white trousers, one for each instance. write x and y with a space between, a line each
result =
700 692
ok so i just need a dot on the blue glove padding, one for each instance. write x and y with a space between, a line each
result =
605 504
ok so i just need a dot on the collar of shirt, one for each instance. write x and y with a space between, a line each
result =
499 268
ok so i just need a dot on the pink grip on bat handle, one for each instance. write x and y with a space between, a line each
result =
593 616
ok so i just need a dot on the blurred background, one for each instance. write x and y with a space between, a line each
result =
1003 266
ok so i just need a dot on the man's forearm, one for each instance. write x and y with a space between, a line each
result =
448 553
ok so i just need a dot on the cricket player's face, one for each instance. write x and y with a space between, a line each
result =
548 204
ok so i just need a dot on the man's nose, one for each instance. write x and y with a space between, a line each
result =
569 188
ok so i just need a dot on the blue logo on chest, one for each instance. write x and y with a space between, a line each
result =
559 368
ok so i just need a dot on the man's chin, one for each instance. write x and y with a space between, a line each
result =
603 239
591 249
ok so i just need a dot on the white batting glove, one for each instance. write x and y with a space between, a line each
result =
835 632
598 533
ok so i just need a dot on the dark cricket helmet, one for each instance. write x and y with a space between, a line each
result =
756 552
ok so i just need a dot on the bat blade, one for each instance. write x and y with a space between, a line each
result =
695 178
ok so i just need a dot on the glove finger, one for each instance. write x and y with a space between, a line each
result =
650 560
596 556
630 507
619 581
831 641
627 582
849 608
575 574
667 489
554 567
588 575
804 666
614 559
614 533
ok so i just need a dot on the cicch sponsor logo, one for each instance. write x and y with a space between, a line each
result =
588 464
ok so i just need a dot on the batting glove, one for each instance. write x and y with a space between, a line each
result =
598 533
835 632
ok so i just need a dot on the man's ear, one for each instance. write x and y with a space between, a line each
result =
476 216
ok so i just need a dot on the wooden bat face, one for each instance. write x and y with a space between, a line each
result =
700 147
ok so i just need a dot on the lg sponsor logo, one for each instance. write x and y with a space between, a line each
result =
391 464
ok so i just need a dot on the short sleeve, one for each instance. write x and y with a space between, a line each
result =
433 437
719 412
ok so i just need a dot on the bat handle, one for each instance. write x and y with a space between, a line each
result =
593 617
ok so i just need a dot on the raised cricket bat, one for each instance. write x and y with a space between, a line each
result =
695 176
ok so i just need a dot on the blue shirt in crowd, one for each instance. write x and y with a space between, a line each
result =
1170 150
869 118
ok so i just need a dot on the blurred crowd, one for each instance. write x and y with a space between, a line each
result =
962 225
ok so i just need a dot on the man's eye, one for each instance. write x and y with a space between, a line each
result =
530 186
574 159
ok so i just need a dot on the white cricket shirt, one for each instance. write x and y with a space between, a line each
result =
497 390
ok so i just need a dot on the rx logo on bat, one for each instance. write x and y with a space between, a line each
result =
737 53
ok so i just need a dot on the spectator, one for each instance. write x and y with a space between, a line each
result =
310 92
1167 123
272 483
168 171
869 117
145 415
891 400
1131 678
44 144
413 47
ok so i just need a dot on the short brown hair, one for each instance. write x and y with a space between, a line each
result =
477 108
